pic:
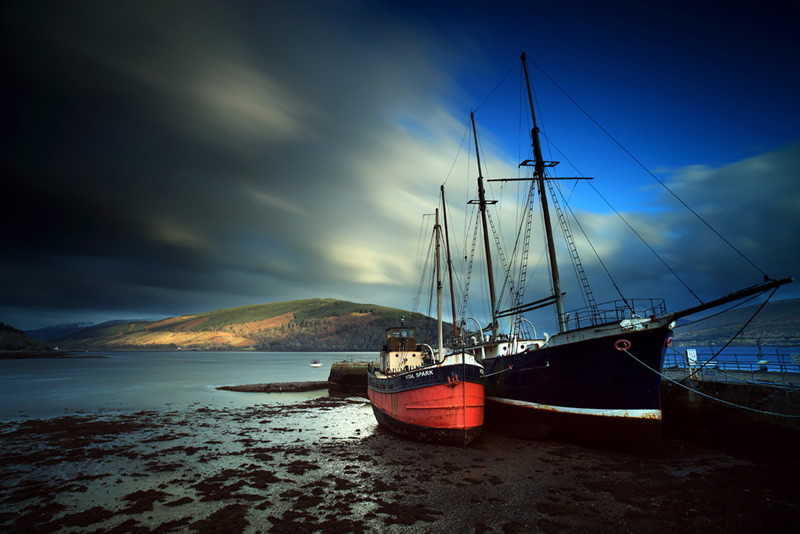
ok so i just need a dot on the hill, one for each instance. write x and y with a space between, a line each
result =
16 340
778 324
300 325
49 333
336 325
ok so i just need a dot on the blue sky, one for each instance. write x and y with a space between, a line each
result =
168 159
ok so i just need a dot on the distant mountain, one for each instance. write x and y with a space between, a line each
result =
778 324
336 325
14 339
58 331
300 325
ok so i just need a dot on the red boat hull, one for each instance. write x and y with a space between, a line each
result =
444 406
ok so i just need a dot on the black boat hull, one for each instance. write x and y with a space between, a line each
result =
588 390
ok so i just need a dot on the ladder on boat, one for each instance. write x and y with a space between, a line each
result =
576 260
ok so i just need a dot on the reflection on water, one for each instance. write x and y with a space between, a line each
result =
133 381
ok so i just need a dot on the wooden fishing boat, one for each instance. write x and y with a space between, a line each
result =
418 396
426 394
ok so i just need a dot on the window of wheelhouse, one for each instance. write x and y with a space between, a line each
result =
400 333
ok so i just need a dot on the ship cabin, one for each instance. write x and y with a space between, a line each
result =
400 350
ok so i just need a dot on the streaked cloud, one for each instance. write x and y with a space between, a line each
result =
173 235
170 159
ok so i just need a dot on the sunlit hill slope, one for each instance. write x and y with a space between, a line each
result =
300 325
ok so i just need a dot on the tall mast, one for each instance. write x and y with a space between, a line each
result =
438 287
488 251
538 176
449 264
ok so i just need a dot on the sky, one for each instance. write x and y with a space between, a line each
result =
171 158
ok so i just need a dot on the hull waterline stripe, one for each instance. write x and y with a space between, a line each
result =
599 412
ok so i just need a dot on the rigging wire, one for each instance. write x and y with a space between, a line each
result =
738 378
735 335
424 274
741 303
514 66
597 254
466 302
463 137
551 145
632 229
580 273
420 237
433 288
499 241
684 386
740 253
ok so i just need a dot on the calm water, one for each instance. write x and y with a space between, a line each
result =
133 381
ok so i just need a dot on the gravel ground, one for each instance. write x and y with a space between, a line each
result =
325 466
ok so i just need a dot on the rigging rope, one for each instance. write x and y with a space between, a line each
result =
550 145
433 288
742 303
649 172
504 265
632 229
466 131
514 66
597 254
735 335
737 378
422 278
465 303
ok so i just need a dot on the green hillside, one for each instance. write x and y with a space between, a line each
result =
12 339
336 325
301 325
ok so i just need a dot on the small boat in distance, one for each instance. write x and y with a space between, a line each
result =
316 363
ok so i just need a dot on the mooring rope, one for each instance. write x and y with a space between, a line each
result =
734 335
498 372
734 405
740 379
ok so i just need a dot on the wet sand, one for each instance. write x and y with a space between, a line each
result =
325 466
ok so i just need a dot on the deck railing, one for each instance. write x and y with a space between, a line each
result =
615 311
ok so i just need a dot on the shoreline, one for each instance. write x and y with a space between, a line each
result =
281 387
44 355
325 465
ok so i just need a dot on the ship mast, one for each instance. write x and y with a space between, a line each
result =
449 265
439 288
538 176
488 251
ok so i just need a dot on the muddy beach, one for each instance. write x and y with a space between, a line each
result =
324 466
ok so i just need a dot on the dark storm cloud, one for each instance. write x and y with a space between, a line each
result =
168 158
195 149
